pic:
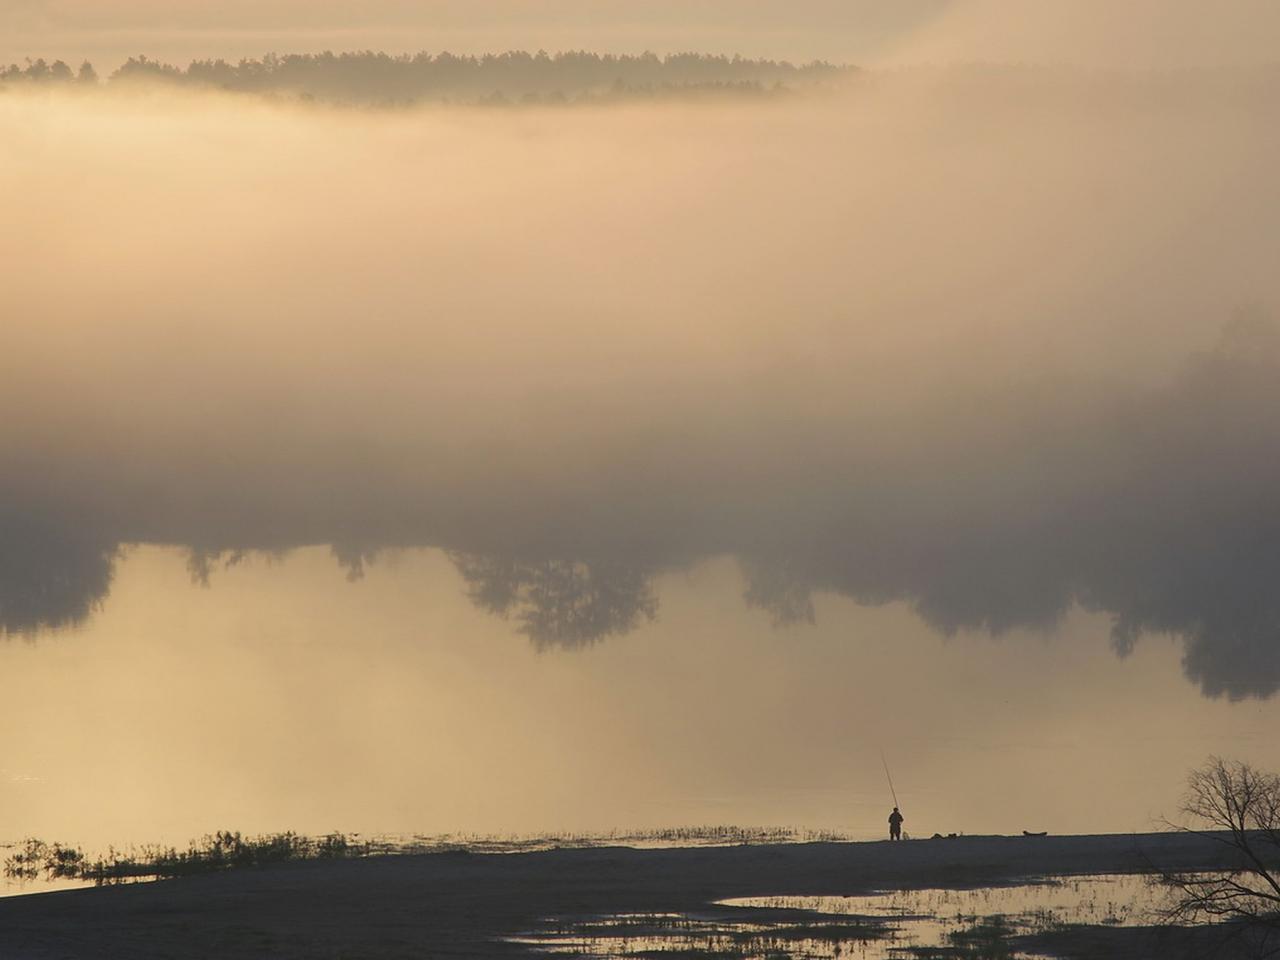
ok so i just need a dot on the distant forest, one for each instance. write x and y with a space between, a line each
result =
512 77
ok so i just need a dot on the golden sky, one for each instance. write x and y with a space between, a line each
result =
807 29
1138 33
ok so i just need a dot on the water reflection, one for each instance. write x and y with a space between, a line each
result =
51 574
767 366
564 603
1156 511
177 710
899 924
926 916
51 580
778 589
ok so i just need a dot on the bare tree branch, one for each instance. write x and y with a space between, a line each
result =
1234 804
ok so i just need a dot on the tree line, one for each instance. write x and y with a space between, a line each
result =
42 72
514 76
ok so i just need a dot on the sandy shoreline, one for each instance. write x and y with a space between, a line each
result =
463 904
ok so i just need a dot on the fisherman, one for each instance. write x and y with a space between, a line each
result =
895 825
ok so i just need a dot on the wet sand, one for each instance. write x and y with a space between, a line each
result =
463 904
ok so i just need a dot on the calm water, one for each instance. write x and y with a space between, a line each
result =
284 695
879 927
17 888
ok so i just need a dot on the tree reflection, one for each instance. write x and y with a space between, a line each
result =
50 576
559 602
780 589
1161 513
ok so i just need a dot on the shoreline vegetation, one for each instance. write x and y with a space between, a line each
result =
516 77
35 859
464 903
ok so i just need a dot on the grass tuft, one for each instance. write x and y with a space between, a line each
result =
223 850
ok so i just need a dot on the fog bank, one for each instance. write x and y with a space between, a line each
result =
992 341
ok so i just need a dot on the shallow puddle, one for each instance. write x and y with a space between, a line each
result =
18 888
897 924
706 936
1107 899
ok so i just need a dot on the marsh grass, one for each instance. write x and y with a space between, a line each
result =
735 933
36 859
223 850
987 939
687 836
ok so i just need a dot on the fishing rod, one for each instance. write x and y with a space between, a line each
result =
892 792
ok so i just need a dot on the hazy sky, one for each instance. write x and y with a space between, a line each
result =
1136 33
804 30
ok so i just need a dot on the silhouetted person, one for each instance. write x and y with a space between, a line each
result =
895 825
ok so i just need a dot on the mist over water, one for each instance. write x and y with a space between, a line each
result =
600 406
993 342
284 697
